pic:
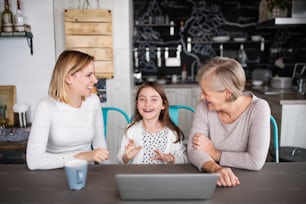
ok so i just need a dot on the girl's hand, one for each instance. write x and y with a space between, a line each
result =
199 141
130 151
169 158
97 155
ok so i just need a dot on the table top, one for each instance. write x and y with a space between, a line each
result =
275 183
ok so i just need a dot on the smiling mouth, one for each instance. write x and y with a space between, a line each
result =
147 110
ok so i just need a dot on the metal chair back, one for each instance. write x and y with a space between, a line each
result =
105 111
174 112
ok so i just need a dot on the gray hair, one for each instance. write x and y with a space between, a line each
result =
227 74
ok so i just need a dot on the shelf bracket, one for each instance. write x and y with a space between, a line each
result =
29 37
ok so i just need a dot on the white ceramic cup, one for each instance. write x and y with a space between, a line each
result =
76 173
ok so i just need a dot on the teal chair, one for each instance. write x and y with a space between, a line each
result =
105 111
275 138
174 112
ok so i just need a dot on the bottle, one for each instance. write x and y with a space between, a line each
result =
171 28
184 72
242 57
189 44
7 18
263 11
182 26
221 50
18 19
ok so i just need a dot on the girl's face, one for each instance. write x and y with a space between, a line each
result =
149 103
215 100
82 82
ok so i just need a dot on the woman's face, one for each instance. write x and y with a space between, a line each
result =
149 103
215 99
82 82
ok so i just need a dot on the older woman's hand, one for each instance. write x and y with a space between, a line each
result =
227 178
202 142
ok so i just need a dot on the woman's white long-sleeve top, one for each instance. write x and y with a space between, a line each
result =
59 132
178 149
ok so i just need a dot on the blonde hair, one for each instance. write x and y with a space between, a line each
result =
227 74
68 63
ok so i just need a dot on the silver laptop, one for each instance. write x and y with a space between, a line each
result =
166 186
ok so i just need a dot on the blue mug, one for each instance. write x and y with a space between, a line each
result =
76 173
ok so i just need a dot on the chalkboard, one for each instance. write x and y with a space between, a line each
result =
195 24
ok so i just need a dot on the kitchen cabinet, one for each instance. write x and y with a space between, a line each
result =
27 35
293 130
289 110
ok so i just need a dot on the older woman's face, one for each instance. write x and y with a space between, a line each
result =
215 99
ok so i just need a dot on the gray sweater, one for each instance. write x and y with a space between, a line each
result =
243 143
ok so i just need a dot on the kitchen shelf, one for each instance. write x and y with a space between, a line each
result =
27 35
226 42
154 25
282 23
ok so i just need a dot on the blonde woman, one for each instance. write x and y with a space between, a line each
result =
68 123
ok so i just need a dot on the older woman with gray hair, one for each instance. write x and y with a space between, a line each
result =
231 127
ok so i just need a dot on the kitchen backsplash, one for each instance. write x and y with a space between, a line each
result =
170 35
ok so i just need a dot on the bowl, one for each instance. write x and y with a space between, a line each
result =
256 38
257 82
221 39
239 39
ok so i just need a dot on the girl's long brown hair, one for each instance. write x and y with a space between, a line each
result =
164 116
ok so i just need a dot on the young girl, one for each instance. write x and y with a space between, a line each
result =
152 138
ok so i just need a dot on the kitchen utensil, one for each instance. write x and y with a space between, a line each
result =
281 82
301 83
279 63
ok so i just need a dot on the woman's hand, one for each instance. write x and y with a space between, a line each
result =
169 158
199 141
130 151
227 178
97 155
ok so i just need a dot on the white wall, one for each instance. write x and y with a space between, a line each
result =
31 74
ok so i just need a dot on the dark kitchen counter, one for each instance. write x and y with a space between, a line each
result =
278 96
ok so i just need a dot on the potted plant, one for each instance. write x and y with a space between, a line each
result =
278 8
